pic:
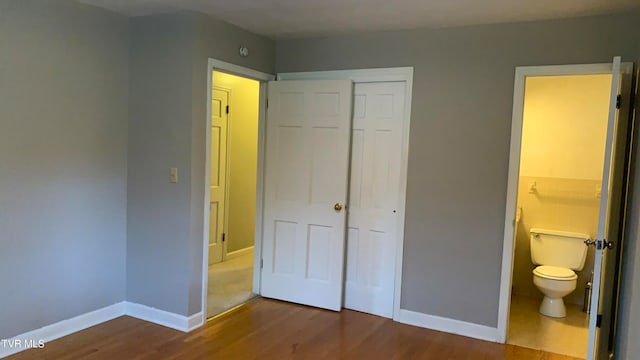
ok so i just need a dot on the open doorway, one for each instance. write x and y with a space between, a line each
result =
565 206
559 187
233 187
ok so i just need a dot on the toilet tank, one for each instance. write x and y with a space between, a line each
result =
558 248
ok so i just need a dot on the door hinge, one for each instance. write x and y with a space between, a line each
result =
599 320
223 236
227 109
261 263
267 102
618 101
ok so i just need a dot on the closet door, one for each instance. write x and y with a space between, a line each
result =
306 184
374 196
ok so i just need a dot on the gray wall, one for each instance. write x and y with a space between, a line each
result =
159 138
629 317
459 143
63 132
167 129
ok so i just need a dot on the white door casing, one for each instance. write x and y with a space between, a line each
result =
218 178
213 65
307 157
611 215
374 197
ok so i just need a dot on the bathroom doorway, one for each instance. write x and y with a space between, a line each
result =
567 190
233 190
563 138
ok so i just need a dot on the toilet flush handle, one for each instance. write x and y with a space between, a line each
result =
590 242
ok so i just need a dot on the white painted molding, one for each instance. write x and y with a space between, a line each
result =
234 69
60 329
164 318
448 325
262 146
358 76
238 253
194 321
66 327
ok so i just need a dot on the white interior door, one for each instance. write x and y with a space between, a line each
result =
218 180
602 318
306 184
374 197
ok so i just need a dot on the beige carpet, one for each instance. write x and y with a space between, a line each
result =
230 284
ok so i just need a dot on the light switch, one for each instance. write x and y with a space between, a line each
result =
173 175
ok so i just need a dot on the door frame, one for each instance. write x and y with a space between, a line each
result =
521 73
263 78
397 74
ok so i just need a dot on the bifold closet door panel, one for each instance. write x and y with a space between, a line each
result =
306 185
374 196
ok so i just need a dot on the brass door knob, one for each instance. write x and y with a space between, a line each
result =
337 207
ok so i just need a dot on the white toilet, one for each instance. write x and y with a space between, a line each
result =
558 254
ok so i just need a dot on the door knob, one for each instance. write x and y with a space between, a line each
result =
600 244
337 207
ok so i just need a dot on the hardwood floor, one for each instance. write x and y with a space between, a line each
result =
268 329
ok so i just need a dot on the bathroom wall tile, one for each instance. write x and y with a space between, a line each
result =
558 204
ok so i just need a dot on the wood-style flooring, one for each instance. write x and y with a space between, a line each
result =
268 329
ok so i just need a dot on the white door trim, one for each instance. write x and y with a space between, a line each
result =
514 169
229 68
400 74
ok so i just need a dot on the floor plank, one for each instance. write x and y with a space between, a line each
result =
269 329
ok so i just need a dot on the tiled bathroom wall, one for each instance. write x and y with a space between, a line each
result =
557 204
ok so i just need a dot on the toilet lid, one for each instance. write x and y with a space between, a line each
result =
555 272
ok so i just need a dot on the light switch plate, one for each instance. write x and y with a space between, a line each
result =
173 175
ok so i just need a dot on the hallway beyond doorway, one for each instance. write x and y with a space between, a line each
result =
230 283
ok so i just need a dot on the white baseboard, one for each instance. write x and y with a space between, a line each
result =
164 318
238 253
40 337
195 321
63 328
448 325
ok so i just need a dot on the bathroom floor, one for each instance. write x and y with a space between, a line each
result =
528 328
230 284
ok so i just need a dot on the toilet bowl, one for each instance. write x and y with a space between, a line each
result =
558 254
554 283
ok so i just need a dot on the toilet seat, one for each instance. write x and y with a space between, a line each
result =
555 273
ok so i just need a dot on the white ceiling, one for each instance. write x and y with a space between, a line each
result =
298 18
